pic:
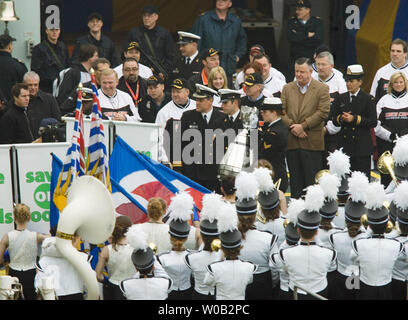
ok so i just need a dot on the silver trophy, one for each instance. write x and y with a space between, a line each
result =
240 155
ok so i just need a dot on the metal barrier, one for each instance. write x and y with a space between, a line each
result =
295 294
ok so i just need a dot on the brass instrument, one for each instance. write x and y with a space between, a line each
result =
385 165
259 216
364 220
216 245
390 227
285 222
320 174
153 246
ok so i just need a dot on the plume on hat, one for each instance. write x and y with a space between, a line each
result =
181 206
400 152
264 179
357 186
314 198
330 184
401 195
375 195
339 163
227 218
294 208
211 206
246 185
136 237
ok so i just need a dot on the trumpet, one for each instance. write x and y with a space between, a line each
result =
385 165
320 174
216 245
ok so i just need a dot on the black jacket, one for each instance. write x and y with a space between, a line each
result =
106 49
355 137
11 72
199 170
48 64
224 123
161 41
273 144
300 44
186 71
15 126
142 89
42 106
148 108
70 81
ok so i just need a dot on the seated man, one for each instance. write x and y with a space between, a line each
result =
132 50
115 104
99 65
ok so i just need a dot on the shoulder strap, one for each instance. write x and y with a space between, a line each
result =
54 54
149 44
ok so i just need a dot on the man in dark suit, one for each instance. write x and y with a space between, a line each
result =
273 140
189 63
198 129
355 112
306 103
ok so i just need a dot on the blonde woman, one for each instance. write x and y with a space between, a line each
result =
392 117
217 80
23 246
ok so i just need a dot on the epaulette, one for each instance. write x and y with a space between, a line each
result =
317 17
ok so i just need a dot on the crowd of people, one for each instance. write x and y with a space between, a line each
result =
301 125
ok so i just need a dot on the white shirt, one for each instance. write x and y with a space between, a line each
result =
341 242
120 265
307 266
273 86
272 72
152 288
171 110
376 258
66 279
400 271
120 100
383 76
191 57
303 89
144 72
275 227
230 277
257 248
22 249
198 262
389 101
173 263
278 265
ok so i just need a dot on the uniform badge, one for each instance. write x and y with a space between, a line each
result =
148 105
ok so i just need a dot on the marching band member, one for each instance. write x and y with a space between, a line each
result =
230 276
257 245
115 257
341 241
22 245
299 260
157 231
339 164
181 208
291 239
375 255
400 271
148 285
198 261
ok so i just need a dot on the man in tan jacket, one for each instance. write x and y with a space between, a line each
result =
306 104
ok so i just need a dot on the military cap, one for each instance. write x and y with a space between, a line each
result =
253 79
154 81
271 104
87 94
209 53
187 37
132 45
303 3
150 9
5 39
228 94
354 71
202 92
180 83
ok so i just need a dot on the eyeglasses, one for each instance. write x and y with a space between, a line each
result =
129 70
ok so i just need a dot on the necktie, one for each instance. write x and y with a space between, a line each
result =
188 61
205 118
352 98
231 118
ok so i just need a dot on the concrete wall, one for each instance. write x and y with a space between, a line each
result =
28 27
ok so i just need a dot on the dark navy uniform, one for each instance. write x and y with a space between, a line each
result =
273 143
15 126
182 69
11 72
200 170
300 44
48 60
355 136
148 108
